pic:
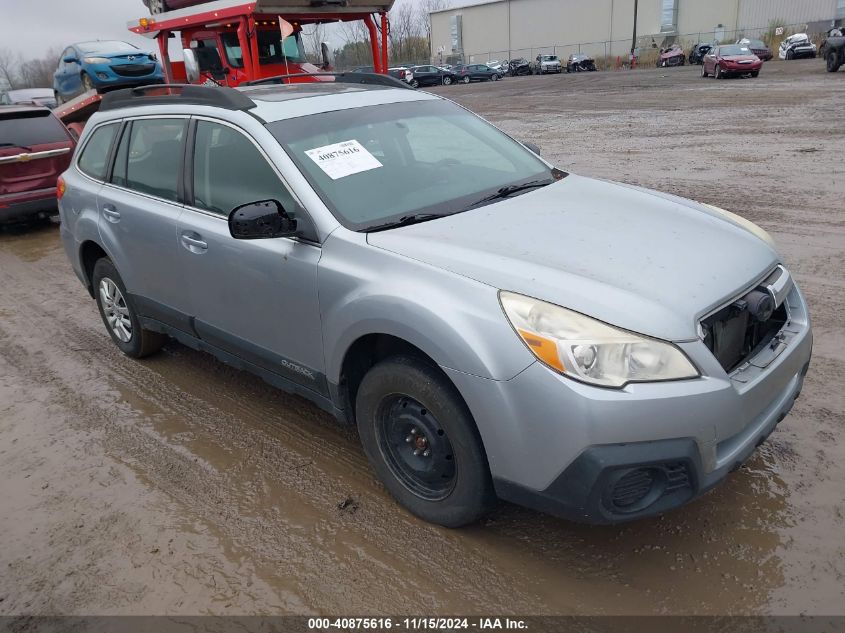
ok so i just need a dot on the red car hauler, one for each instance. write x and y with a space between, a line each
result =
230 42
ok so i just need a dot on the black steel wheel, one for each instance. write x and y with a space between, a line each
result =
422 442
416 448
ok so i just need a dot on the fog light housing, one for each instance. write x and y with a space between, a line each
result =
635 489
102 76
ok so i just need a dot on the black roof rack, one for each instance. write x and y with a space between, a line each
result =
367 79
177 94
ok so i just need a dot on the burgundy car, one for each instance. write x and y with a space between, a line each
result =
731 60
34 149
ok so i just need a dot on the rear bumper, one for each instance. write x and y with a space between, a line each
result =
28 205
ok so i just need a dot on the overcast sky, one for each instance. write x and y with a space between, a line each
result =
32 27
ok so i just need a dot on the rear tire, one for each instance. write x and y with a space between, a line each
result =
466 80
790 55
421 440
833 62
495 77
58 97
415 84
703 71
119 315
157 6
447 81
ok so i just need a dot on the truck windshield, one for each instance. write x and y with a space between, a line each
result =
270 48
378 164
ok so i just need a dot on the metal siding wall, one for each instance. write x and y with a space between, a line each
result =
758 13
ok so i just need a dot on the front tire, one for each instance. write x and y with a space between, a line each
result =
447 81
704 71
717 72
833 62
790 55
119 314
87 84
495 78
421 440
415 84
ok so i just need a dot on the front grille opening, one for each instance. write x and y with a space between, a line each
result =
734 335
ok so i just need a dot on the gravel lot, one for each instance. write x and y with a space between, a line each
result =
177 485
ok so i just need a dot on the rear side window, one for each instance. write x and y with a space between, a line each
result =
95 155
35 127
230 171
151 161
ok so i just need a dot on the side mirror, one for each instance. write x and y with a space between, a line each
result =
70 59
533 147
192 66
261 220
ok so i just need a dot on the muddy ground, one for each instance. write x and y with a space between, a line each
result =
177 485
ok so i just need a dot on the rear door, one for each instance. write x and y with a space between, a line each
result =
256 299
35 148
139 208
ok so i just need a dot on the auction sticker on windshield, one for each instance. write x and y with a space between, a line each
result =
343 159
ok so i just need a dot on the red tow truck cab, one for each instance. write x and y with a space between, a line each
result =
234 42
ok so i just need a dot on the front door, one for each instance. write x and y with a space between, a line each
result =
256 299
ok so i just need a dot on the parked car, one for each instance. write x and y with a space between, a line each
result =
796 47
431 76
547 64
403 73
160 6
731 60
35 148
519 66
29 96
671 56
580 63
361 250
832 49
758 47
833 33
103 65
475 72
696 55
499 67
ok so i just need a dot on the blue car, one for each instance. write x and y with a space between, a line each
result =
101 66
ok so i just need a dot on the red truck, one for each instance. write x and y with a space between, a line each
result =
230 42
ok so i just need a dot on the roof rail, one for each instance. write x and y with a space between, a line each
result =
220 97
367 79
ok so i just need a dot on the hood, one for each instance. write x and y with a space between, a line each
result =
641 260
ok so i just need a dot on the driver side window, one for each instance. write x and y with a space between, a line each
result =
230 171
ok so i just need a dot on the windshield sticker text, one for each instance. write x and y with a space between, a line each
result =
343 159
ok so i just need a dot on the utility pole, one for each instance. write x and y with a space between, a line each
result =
634 38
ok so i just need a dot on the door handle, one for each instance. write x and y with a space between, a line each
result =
112 214
193 244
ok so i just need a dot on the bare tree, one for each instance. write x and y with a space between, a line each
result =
425 9
313 36
10 62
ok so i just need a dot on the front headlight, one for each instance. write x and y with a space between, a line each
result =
96 60
591 351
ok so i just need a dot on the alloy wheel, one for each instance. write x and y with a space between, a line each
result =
115 310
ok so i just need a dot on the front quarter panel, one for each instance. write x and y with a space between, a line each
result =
456 321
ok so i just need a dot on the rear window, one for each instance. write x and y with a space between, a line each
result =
25 129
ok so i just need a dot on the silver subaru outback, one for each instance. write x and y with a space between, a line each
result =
497 328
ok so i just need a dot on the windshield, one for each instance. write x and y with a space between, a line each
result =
755 43
735 50
270 48
106 46
549 58
377 164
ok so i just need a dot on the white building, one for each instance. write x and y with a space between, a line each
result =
480 30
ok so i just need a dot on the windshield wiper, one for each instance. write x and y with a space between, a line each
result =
406 220
506 192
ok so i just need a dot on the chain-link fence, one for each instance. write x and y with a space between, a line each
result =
615 54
